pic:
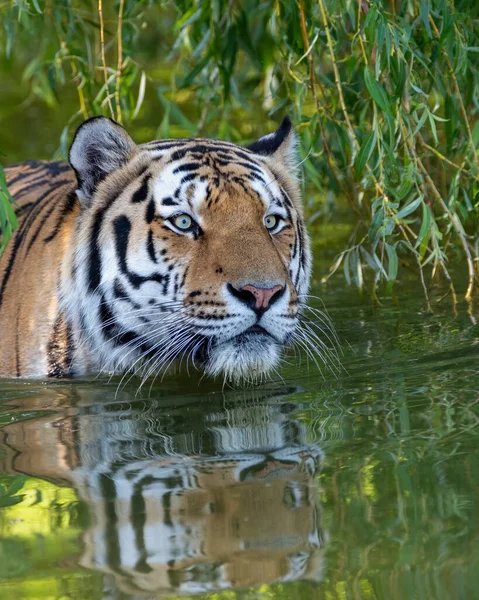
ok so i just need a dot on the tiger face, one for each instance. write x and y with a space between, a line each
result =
185 250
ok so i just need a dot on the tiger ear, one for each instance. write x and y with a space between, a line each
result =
281 145
100 146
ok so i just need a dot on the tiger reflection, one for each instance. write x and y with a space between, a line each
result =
184 499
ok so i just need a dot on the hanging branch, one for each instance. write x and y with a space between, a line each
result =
458 92
119 62
313 79
337 77
458 229
103 57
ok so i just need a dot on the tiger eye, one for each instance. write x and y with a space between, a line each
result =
271 222
183 222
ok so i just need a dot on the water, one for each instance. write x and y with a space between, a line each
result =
362 486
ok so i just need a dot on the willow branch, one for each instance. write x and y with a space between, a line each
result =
120 61
447 160
312 79
337 78
459 231
421 272
458 92
103 57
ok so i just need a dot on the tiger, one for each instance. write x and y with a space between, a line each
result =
137 257
220 496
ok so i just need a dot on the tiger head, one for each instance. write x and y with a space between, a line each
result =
186 249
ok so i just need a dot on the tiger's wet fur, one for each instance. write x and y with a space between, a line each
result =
99 276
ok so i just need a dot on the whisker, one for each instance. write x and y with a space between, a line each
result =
305 344
326 357
331 352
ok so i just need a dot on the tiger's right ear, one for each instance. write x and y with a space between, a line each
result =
100 146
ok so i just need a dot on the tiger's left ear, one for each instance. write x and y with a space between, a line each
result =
100 146
281 146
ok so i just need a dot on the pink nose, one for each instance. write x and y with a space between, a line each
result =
262 295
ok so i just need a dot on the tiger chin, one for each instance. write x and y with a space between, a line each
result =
138 258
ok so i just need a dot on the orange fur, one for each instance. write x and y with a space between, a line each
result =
30 266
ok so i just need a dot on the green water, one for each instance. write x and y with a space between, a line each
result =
361 486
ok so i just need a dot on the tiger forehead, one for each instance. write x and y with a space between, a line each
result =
206 189
208 160
176 149
195 174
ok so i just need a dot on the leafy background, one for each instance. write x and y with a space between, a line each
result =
384 96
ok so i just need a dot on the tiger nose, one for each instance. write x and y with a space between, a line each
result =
257 298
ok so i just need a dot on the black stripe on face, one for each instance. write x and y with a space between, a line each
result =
197 151
275 201
298 248
299 238
169 202
241 153
94 258
188 177
179 154
284 196
108 324
239 181
251 166
112 330
150 246
119 291
222 162
191 166
302 257
288 206
295 248
166 144
122 228
150 211
227 147
225 156
127 338
252 176
141 193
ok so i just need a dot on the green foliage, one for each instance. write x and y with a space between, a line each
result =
8 219
384 96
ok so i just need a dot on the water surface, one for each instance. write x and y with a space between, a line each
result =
360 486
